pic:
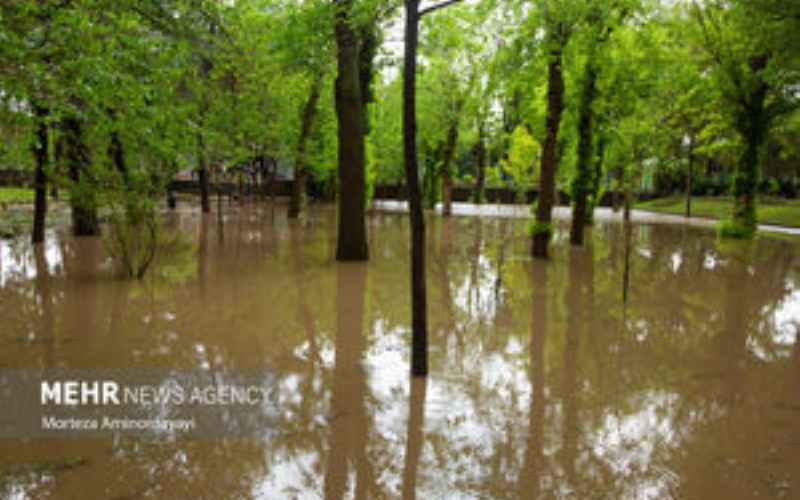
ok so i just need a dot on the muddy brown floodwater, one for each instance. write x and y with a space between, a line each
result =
544 383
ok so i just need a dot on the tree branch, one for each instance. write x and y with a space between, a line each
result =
436 7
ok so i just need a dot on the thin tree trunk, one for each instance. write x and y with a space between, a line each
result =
419 313
447 160
40 152
202 168
583 180
555 106
202 174
597 175
352 236
297 201
480 153
115 150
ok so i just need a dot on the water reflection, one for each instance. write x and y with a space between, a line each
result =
547 380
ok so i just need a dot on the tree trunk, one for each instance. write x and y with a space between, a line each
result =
82 197
597 175
582 184
116 152
555 106
419 313
40 153
352 236
202 168
202 174
300 174
753 130
447 160
480 153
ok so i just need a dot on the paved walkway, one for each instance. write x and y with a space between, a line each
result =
565 213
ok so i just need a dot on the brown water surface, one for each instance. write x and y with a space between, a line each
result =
544 383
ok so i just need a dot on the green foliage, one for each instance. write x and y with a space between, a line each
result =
176 79
133 224
522 157
535 228
735 230
10 195
493 177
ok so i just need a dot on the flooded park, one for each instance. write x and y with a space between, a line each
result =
664 364
417 250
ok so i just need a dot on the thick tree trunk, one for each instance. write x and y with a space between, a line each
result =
480 153
555 106
582 184
82 197
419 313
40 153
297 201
447 160
352 237
753 131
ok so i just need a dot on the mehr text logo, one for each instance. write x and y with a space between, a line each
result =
108 392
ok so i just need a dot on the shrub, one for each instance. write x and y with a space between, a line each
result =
133 226
730 229
535 228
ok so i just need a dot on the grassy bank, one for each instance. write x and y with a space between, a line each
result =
770 210
12 195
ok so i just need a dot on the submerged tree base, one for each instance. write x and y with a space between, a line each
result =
541 232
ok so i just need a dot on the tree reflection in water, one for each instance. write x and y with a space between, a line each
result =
545 380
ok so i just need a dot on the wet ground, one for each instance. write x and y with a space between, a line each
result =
667 369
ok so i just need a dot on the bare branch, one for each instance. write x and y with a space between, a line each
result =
436 7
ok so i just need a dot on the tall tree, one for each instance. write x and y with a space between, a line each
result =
419 312
41 154
300 172
558 31
352 234
599 26
756 72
